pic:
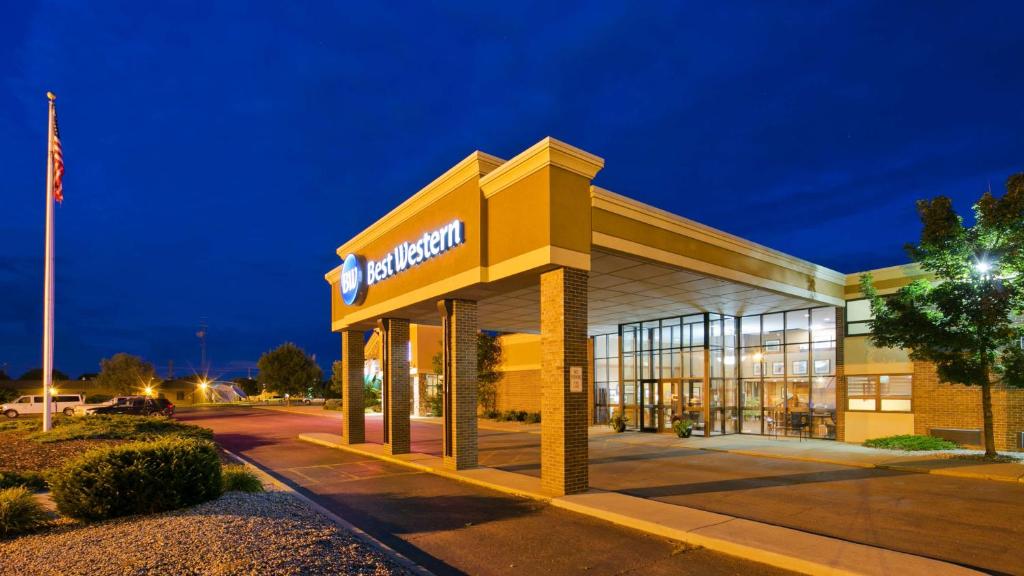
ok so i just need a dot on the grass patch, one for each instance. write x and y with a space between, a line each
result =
237 478
118 427
20 512
911 443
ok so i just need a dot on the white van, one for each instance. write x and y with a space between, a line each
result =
34 405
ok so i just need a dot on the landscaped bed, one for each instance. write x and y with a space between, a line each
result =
150 495
239 533
911 443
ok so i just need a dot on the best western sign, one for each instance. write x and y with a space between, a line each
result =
357 274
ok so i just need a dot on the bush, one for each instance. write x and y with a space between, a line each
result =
434 405
97 398
239 479
137 478
618 422
119 427
31 480
533 418
911 442
491 414
332 404
19 512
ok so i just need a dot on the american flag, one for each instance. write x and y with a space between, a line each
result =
58 163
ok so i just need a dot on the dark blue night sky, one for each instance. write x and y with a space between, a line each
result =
217 153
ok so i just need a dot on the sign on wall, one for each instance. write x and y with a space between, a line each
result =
357 273
576 379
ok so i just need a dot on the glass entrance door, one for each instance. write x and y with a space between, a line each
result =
650 406
752 418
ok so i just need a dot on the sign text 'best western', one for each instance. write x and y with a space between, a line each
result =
357 276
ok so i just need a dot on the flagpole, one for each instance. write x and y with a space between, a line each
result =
48 279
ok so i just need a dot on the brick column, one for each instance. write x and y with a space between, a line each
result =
459 400
563 341
395 389
353 413
840 375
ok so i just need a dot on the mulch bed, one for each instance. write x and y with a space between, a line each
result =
17 453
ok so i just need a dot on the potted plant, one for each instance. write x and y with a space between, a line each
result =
618 422
683 427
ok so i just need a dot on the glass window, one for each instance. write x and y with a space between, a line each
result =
797 323
884 392
750 331
823 324
858 316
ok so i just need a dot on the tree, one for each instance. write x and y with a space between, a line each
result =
3 375
337 382
966 321
287 369
488 358
250 386
36 375
125 373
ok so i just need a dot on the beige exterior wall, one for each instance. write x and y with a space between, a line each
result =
861 426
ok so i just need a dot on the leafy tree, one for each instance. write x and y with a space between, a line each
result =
250 386
336 383
966 321
36 375
488 358
125 373
3 375
287 369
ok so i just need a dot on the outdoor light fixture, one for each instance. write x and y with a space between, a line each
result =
149 390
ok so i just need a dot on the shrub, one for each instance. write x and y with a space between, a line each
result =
491 414
97 398
239 479
19 512
912 442
434 405
137 478
332 404
31 480
119 427
533 418
618 422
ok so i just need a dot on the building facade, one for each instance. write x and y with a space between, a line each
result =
609 305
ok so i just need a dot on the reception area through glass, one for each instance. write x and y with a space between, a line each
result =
769 374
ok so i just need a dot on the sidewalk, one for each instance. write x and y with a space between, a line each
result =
773 545
807 450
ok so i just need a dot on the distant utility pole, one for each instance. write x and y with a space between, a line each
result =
170 369
202 346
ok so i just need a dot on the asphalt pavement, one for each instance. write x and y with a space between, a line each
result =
447 526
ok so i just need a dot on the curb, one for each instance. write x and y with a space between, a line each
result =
357 532
451 475
691 536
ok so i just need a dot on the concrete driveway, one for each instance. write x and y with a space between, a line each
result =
975 523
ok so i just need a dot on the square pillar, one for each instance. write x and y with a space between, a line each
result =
563 367
459 391
395 390
353 412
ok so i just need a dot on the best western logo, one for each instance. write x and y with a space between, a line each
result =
355 276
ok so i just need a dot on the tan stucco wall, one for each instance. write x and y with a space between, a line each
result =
425 342
861 426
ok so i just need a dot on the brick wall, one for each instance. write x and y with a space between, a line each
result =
563 328
519 390
939 405
840 375
460 317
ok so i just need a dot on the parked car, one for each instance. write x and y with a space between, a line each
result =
88 408
34 405
312 401
138 406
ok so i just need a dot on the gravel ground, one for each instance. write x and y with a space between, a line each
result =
239 533
17 453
